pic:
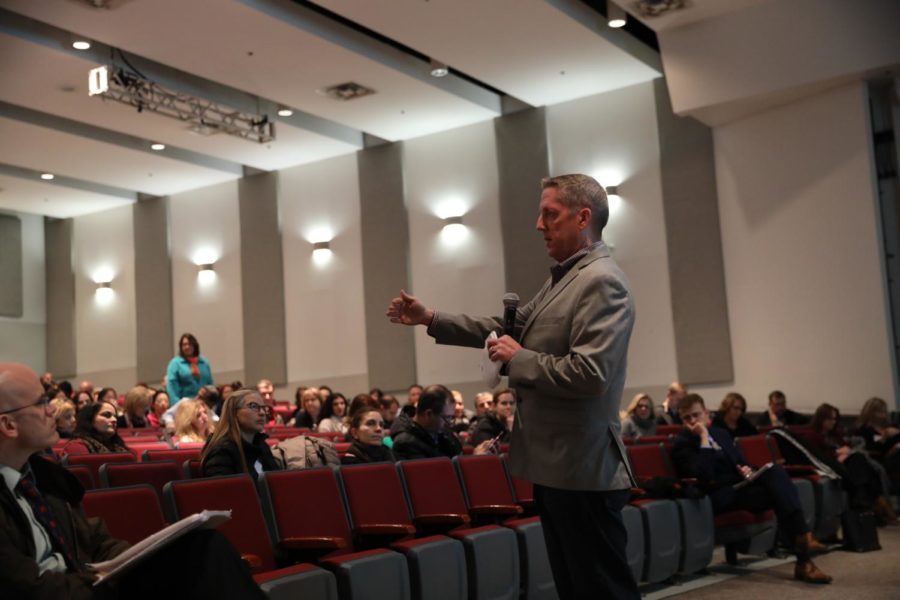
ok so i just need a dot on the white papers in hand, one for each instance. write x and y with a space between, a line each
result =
207 519
490 369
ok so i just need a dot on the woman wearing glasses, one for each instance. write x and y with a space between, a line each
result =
238 444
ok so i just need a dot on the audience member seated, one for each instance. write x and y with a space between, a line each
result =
192 422
427 434
209 394
238 444
158 406
324 393
669 413
389 407
64 415
461 420
882 440
334 415
47 381
731 416
82 399
640 417
227 390
377 394
708 454
367 433
188 371
309 408
778 414
96 429
107 394
497 423
134 413
860 478
413 393
46 540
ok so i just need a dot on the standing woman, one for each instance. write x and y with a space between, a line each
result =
239 445
187 372
96 429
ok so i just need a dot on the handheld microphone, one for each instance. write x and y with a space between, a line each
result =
510 304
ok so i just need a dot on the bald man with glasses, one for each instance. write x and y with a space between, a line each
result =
46 541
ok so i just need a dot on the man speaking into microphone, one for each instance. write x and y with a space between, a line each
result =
568 369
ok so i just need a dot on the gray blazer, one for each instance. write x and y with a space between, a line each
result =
569 376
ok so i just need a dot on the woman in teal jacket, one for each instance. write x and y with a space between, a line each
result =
187 372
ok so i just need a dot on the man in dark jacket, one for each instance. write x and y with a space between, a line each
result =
709 455
46 541
778 414
497 422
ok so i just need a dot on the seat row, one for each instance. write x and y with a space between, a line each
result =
418 529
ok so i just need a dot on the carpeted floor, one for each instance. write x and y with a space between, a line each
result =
869 576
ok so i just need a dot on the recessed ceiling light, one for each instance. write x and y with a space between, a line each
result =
81 45
157 146
439 69
285 112
46 176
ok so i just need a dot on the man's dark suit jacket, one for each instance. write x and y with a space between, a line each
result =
716 471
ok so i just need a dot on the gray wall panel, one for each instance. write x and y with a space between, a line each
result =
694 242
61 359
522 161
390 348
262 279
153 288
11 304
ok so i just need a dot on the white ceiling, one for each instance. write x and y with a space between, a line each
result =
528 49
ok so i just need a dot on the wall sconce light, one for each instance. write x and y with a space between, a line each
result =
615 15
322 252
612 190
453 231
206 273
104 292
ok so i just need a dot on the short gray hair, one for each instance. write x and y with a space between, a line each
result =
578 191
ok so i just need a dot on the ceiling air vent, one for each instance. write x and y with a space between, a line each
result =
345 91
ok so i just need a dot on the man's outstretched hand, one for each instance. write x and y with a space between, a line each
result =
408 310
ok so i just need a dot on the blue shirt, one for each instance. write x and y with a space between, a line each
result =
181 383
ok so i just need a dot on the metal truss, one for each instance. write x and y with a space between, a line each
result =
205 117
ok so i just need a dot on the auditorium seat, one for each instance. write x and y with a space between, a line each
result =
179 455
437 504
668 429
139 439
305 515
757 450
157 474
303 581
378 511
93 461
131 513
83 473
634 550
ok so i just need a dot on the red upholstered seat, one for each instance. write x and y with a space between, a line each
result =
486 486
131 513
649 461
757 449
434 493
83 473
246 529
651 439
180 455
307 511
156 474
93 461
375 499
667 430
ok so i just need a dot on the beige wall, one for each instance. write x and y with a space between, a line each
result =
23 339
802 254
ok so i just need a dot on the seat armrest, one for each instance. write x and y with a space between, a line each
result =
313 543
496 509
443 519
385 529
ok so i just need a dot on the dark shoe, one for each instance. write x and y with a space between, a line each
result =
884 512
808 544
808 572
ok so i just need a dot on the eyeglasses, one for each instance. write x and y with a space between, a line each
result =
41 403
256 407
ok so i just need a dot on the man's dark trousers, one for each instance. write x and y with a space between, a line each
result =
586 541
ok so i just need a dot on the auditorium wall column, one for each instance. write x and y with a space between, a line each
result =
694 242
61 301
522 161
262 277
390 350
153 286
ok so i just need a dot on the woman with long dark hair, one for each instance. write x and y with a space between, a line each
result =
188 371
367 432
96 429
238 444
